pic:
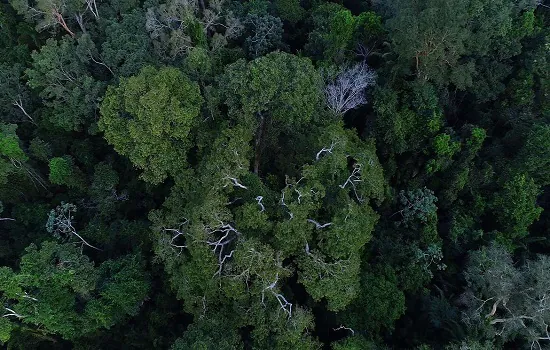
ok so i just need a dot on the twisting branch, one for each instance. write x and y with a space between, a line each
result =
221 261
286 206
353 180
344 328
259 199
235 182
493 309
299 199
219 240
176 233
325 150
285 305
294 186
318 225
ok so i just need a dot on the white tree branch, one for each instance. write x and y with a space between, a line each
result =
318 225
345 328
12 313
285 305
353 180
259 199
325 150
348 90
235 182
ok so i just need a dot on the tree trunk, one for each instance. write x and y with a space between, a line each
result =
61 22
19 104
80 21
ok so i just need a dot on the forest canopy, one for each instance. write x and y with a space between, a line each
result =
275 174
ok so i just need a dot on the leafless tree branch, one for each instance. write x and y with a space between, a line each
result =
347 91
318 225
353 180
259 199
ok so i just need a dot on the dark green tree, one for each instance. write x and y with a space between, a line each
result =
65 85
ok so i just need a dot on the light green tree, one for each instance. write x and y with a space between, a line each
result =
150 117
63 171
13 159
43 293
515 207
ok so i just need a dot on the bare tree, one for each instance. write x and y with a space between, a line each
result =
267 32
168 24
122 197
60 223
347 91
512 300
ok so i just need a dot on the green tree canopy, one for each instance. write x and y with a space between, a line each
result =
149 118
67 88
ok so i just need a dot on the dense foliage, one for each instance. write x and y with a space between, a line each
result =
275 174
